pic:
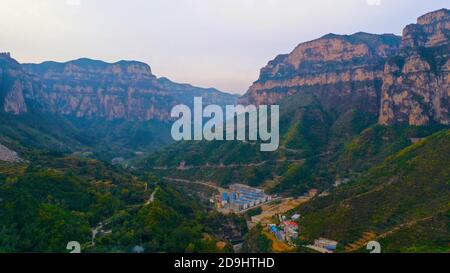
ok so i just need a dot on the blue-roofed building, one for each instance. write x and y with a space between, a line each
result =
241 197
224 196
232 197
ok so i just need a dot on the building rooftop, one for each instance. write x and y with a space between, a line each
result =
327 241
290 224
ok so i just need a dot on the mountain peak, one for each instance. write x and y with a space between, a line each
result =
415 90
406 75
88 88
5 55
431 30
434 16
92 66
333 61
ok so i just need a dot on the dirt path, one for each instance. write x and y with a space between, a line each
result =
99 227
296 151
270 210
152 197
277 245
370 236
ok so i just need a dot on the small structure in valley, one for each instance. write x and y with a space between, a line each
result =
323 245
241 197
290 230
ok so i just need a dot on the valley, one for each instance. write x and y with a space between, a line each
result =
86 154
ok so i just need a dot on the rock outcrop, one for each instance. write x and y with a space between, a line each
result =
124 90
95 89
342 71
15 86
184 92
400 80
8 155
416 82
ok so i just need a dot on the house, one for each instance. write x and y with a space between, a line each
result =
326 244
323 245
291 230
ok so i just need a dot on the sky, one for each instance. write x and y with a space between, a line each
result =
208 43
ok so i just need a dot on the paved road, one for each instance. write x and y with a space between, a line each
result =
204 183
222 166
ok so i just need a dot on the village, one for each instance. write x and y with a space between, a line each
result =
280 224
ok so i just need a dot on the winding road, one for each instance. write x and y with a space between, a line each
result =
222 166
198 182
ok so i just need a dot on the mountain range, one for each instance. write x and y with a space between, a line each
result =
364 120
87 88
400 79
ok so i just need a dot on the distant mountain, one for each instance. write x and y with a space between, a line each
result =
15 86
184 92
400 80
343 71
86 88
59 118
112 110
363 119
416 81
123 90
330 92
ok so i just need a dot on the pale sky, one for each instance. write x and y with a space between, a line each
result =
208 43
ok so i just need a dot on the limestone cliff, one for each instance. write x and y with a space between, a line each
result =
400 80
123 90
415 87
8 155
89 88
343 72
15 86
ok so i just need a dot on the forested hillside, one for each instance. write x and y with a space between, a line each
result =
54 200
404 198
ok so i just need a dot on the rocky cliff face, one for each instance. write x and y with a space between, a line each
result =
123 90
415 87
89 88
8 155
15 86
400 80
342 71
184 92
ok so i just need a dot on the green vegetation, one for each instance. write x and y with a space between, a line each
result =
54 200
395 199
64 192
257 242
428 236
375 144
38 132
